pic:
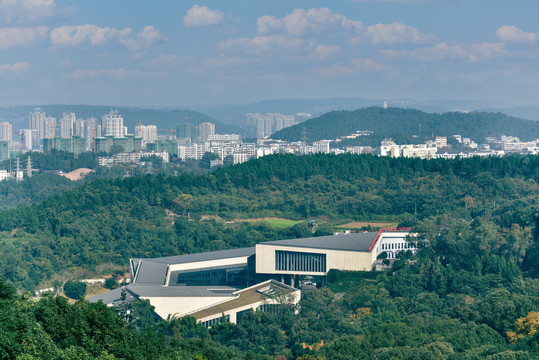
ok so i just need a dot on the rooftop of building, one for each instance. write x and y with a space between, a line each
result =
152 291
359 241
205 256
154 271
261 292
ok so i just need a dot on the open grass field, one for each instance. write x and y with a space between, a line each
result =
277 223
361 224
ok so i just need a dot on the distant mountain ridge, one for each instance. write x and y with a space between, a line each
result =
235 114
409 125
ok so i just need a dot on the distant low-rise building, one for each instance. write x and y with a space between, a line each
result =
224 137
441 141
4 175
193 151
240 157
74 144
321 146
132 158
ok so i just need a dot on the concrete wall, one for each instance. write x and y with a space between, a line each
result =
335 259
180 306
295 297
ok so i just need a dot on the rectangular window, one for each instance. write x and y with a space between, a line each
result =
299 261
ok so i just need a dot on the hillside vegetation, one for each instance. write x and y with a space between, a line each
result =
472 292
403 124
113 220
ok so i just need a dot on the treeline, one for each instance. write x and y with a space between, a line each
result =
113 220
35 189
55 160
408 126
45 183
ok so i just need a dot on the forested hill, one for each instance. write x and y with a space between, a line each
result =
402 124
113 220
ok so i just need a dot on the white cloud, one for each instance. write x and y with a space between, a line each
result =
395 33
24 11
440 51
93 34
21 36
202 16
163 60
264 44
147 37
301 21
514 34
324 51
14 68
119 74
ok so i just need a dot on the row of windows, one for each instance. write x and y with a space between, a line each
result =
210 323
299 261
398 246
232 276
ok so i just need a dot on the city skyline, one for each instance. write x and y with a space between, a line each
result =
180 53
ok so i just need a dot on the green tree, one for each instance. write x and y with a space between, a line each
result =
75 289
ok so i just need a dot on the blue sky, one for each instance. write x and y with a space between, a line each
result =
170 53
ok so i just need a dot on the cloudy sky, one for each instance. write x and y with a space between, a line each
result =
170 52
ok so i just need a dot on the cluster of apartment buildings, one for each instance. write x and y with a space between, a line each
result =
191 142
439 148
260 126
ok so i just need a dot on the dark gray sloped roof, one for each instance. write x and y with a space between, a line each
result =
110 297
206 256
181 291
154 271
349 242
144 291
151 272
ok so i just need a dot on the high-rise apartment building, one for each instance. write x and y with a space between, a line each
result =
92 130
6 131
147 133
50 128
113 124
36 121
205 129
67 124
30 138
261 126
183 131
80 128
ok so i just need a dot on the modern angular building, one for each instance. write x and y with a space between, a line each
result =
208 285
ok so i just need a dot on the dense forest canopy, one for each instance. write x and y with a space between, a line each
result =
408 126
